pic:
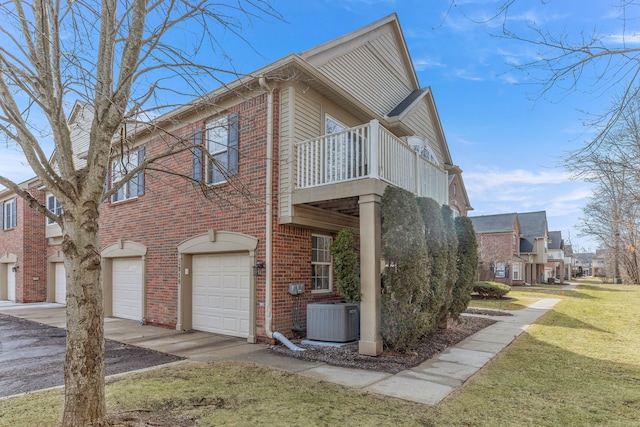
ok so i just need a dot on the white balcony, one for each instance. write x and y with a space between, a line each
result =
368 151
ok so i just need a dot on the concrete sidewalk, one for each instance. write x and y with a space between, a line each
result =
428 383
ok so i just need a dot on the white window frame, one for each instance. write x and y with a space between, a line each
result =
500 270
57 208
119 168
9 221
321 260
515 270
217 143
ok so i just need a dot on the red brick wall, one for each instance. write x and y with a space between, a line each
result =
27 241
34 264
172 210
496 247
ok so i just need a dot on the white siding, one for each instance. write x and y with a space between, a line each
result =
285 168
370 80
421 122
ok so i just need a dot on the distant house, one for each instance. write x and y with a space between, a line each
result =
599 263
534 245
582 263
499 248
458 197
556 267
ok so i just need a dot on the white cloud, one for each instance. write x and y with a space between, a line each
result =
466 75
426 63
623 38
13 165
503 191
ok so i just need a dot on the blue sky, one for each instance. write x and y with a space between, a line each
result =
507 139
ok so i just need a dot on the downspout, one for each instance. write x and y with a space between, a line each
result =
268 309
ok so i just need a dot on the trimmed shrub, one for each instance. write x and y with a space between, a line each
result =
491 289
450 254
435 236
467 266
345 264
406 278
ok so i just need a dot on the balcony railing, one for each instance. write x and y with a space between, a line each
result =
368 151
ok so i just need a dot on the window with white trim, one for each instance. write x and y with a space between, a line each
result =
320 263
501 270
218 148
54 206
9 214
120 167
517 266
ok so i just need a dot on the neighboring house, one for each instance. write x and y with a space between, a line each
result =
599 263
498 239
458 197
582 263
534 245
22 247
556 257
302 148
568 262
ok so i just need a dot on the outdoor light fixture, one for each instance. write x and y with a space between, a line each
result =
258 268
14 268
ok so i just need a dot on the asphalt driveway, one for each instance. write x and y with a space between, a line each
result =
32 356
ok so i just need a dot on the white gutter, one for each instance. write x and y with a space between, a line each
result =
268 309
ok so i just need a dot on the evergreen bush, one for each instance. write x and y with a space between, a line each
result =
406 277
345 264
467 266
491 289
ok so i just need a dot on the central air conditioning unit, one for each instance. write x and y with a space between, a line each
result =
333 322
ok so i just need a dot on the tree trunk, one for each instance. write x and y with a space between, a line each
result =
84 363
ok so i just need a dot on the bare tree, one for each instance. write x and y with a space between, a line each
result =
125 59
587 60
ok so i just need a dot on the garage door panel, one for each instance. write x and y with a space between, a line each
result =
127 288
11 282
60 283
223 282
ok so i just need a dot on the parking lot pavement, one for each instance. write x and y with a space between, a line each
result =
32 356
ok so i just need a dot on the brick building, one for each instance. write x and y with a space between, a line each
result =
301 149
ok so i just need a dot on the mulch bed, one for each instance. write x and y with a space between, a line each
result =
391 361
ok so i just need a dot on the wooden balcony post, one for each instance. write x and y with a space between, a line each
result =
370 254
374 132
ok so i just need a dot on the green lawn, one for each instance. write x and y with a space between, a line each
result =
579 366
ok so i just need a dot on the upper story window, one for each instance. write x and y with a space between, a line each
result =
331 125
9 214
218 147
222 145
120 167
320 263
515 242
54 206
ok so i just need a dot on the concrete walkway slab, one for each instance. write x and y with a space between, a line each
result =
466 357
446 369
407 387
357 378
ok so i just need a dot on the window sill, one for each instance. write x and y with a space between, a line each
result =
123 202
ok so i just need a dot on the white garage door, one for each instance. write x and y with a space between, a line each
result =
11 282
61 283
221 294
127 288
